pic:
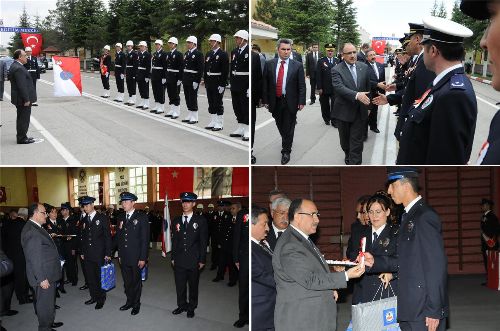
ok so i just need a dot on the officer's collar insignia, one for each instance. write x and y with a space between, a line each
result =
410 226
135 222
245 218
195 225
208 58
97 222
457 81
217 57
427 101
193 56
246 55
385 243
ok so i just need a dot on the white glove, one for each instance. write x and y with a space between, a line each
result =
221 89
107 75
179 82
122 76
247 93
163 80
195 85
147 80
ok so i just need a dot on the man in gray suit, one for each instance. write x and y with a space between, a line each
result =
43 266
305 285
352 82
284 93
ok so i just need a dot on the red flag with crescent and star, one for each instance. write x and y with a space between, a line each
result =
175 180
33 40
378 46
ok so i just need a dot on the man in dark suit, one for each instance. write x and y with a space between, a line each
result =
378 70
279 221
424 305
256 93
96 249
284 93
70 244
352 83
489 230
324 83
240 259
189 251
361 56
263 284
32 66
23 94
311 69
133 243
57 231
43 266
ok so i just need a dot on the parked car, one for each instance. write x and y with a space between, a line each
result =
8 60
41 66
50 64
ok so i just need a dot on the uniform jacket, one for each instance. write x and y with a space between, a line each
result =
96 239
22 89
240 66
175 66
491 228
324 75
71 228
216 225
143 65
256 79
189 245
120 63
192 61
358 231
492 156
217 62
159 60
240 239
105 63
263 288
132 59
133 238
58 229
32 67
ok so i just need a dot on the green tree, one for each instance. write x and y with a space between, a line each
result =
345 26
439 11
434 9
477 27
16 42
265 11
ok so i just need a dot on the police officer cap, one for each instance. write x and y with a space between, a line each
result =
199 206
243 34
173 40
415 28
188 196
397 173
477 9
125 196
107 47
329 46
143 43
192 39
65 205
27 49
130 43
119 45
158 41
210 205
486 202
445 31
48 207
215 37
85 200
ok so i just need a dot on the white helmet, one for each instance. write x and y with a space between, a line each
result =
143 43
107 47
243 34
173 40
119 45
130 43
158 41
215 37
192 39
27 49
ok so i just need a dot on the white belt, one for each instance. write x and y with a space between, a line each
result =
214 73
240 73
130 66
117 65
158 68
142 68
173 70
32 70
191 71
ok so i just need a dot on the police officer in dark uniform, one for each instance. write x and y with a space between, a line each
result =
95 249
175 65
421 261
216 68
132 61
191 78
70 243
490 229
215 228
57 231
189 249
120 66
82 217
105 67
239 84
225 243
256 96
324 83
143 74
441 125
158 77
33 69
133 243
240 259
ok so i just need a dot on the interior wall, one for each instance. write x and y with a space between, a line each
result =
52 185
14 181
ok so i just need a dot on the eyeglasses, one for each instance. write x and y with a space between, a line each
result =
316 213
375 212
350 53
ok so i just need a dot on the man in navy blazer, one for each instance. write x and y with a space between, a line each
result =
263 284
379 72
284 102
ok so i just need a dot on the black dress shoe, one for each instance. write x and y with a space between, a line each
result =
375 130
9 312
178 310
57 307
135 310
334 124
34 104
231 284
26 141
327 122
67 282
240 323
125 307
190 314
89 302
57 324
186 121
285 158
99 305
312 102
192 122
216 279
84 287
217 129
62 291
234 135
175 117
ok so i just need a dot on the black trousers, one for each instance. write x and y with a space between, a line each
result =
372 117
94 279
22 122
215 105
215 253
1 88
420 326
243 291
312 81
7 285
71 267
105 82
84 270
351 138
133 284
326 101
191 96
185 277
34 84
226 260
254 118
285 122
240 106
158 91
44 302
143 88
173 92
131 87
20 278
120 84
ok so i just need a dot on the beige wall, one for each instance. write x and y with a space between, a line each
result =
14 181
52 185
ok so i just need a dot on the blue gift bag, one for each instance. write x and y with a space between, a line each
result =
108 277
349 327
144 273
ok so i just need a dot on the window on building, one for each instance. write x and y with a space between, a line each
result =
112 188
138 183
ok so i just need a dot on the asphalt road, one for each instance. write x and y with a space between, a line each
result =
318 144
90 130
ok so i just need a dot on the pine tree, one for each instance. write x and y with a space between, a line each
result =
477 27
265 11
16 41
345 26
442 11
434 9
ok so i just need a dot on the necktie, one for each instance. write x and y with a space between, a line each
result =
353 73
128 217
376 70
279 82
403 216
316 250
239 51
185 220
279 234
315 57
375 237
265 247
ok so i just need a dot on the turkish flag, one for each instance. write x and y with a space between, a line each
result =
33 40
239 186
175 180
378 46
3 194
